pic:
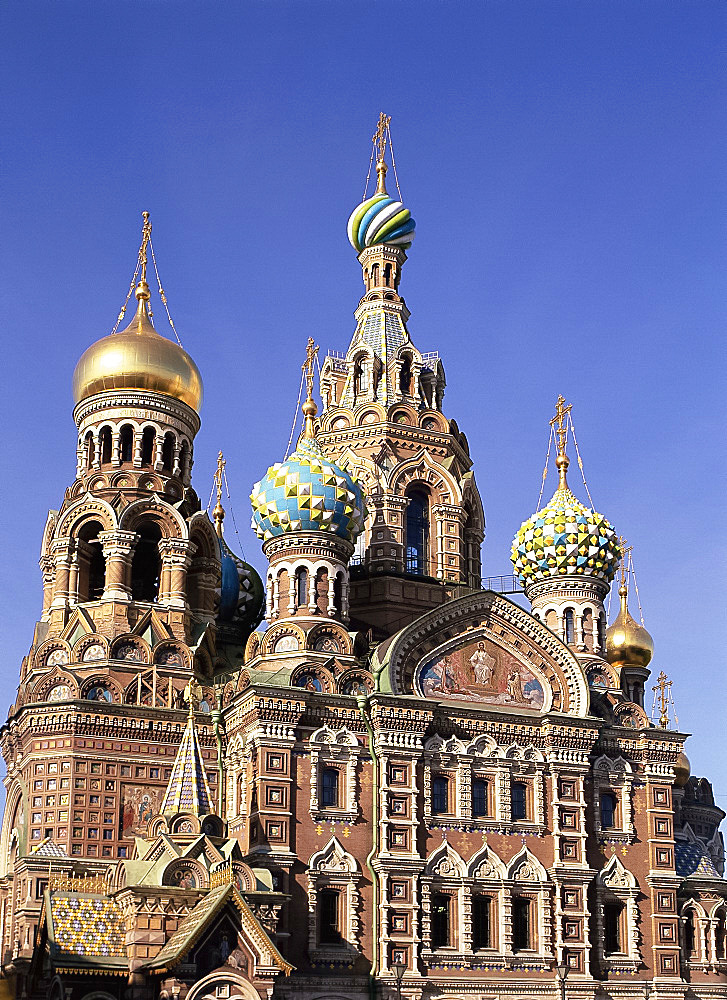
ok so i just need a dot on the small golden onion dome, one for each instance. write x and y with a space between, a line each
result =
138 358
682 770
627 642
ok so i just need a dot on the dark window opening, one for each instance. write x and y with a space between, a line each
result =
148 446
329 905
608 811
104 443
360 379
146 565
521 925
168 452
90 450
440 794
417 532
481 922
126 443
302 588
329 788
92 569
479 797
612 917
569 625
338 594
405 377
441 904
184 460
720 936
519 800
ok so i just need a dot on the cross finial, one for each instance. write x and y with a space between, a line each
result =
193 695
661 689
379 136
145 237
219 512
560 425
626 551
309 407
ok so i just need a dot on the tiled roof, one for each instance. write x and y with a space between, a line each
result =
188 790
86 927
190 928
48 849
690 859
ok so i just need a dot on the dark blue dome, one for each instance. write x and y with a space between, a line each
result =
241 593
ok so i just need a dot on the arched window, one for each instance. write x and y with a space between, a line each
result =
479 797
521 924
440 794
146 565
690 937
602 632
417 532
613 919
329 916
338 593
184 461
375 275
569 631
405 376
104 443
720 935
481 923
608 810
329 788
168 452
148 446
441 920
301 588
90 450
360 377
92 566
126 443
519 800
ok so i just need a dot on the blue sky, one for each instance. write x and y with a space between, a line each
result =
564 162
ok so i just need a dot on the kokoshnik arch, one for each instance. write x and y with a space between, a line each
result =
404 781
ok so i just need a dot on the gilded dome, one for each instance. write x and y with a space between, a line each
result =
627 642
307 492
565 538
682 770
138 358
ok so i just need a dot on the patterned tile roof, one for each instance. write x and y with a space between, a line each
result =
86 927
691 859
188 791
191 927
49 849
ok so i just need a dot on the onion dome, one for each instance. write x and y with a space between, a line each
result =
627 642
381 219
307 492
682 770
138 357
565 538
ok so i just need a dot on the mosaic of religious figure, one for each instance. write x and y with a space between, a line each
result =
480 672
139 804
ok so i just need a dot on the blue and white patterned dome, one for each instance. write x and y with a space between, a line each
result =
241 594
307 492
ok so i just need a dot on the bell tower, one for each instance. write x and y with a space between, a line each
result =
383 420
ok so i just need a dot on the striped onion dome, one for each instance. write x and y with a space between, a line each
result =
380 220
565 538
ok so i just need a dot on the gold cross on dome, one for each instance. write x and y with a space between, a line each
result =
145 237
379 136
311 352
662 687
193 695
219 512
560 424
626 551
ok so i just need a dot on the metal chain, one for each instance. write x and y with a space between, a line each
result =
632 571
580 461
368 175
162 294
545 470
295 416
393 162
132 286
232 512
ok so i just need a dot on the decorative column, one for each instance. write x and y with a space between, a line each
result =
176 556
47 568
62 553
80 566
138 435
116 448
117 549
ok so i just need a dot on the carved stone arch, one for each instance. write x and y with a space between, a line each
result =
171 653
692 903
366 410
525 867
17 804
524 754
445 862
87 508
45 652
170 521
332 417
615 876
444 745
87 642
406 410
325 736
102 681
335 859
338 635
433 420
157 826
471 496
311 677
608 766
485 746
204 536
47 684
49 532
182 872
423 469
271 636
252 646
235 986
485 864
121 648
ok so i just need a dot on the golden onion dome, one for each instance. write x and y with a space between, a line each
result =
627 642
138 358
682 770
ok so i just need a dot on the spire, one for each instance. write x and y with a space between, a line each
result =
188 791
309 407
379 140
560 426
219 512
142 321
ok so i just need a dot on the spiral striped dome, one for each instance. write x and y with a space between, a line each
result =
380 220
565 538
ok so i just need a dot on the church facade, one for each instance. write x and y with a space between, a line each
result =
403 784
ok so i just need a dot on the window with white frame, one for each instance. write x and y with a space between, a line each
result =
334 756
612 792
333 902
617 918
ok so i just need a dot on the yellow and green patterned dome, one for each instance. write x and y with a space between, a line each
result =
565 538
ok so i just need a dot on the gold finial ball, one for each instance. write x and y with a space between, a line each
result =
627 642
309 408
682 770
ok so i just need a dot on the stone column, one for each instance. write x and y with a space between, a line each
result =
47 568
385 552
176 556
117 549
159 446
175 461
116 448
80 567
62 553
206 573
137 448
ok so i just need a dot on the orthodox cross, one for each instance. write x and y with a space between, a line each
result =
626 551
219 512
560 424
145 237
379 136
193 695
661 689
311 352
